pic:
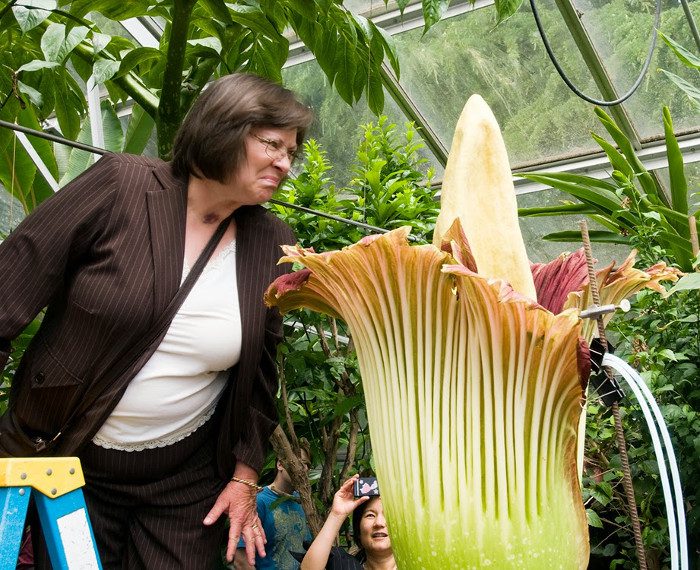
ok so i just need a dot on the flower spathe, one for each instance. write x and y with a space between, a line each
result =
473 399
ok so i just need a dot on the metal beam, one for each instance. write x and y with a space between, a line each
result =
409 108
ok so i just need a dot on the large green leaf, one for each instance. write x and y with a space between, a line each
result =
389 48
506 8
433 11
304 8
599 236
579 186
35 97
217 9
74 36
136 57
686 283
52 41
104 69
37 64
112 128
688 58
30 13
79 160
111 9
625 145
679 186
560 210
138 131
67 115
18 174
692 91
252 18
616 159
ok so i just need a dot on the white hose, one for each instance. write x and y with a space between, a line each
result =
676 517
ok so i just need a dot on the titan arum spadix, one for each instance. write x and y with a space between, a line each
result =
474 389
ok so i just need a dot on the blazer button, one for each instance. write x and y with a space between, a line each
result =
39 378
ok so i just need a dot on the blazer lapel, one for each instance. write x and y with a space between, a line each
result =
167 209
251 279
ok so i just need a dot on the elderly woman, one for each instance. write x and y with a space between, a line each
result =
167 397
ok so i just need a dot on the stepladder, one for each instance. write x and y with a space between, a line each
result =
55 484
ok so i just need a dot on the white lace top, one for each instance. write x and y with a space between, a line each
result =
178 388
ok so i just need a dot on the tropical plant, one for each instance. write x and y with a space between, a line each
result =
473 390
632 203
321 395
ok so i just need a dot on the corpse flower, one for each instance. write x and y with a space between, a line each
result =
474 392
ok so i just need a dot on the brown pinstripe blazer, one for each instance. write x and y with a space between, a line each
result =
105 255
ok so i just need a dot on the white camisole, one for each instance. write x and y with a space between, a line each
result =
177 389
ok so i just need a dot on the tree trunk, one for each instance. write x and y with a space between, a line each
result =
299 476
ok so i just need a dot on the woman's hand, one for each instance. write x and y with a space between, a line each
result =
238 501
344 501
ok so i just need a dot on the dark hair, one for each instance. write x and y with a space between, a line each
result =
357 514
211 139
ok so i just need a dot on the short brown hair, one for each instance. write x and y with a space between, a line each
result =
211 139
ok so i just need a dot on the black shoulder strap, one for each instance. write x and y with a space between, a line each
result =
122 372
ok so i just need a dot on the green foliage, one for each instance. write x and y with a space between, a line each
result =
691 61
390 188
633 203
51 46
660 337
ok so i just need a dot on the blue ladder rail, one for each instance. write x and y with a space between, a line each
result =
56 483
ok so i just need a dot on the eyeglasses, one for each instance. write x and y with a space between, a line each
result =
276 150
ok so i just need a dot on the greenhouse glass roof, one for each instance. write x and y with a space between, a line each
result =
602 50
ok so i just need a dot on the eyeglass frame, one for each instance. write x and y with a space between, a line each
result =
276 148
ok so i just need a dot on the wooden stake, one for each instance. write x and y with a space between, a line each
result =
692 222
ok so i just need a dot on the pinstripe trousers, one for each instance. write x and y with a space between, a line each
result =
146 507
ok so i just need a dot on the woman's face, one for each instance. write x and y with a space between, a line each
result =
267 163
374 534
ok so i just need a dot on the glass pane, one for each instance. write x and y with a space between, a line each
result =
621 31
337 124
540 117
534 229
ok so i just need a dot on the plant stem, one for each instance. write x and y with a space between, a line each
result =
169 111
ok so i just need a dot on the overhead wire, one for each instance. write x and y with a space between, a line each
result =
570 84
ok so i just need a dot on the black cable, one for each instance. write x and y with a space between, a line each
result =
575 89
52 138
97 150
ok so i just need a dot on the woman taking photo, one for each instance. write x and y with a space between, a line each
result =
369 530
155 360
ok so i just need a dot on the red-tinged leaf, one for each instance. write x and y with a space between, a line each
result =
556 279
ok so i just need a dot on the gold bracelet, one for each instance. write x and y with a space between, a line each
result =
246 482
